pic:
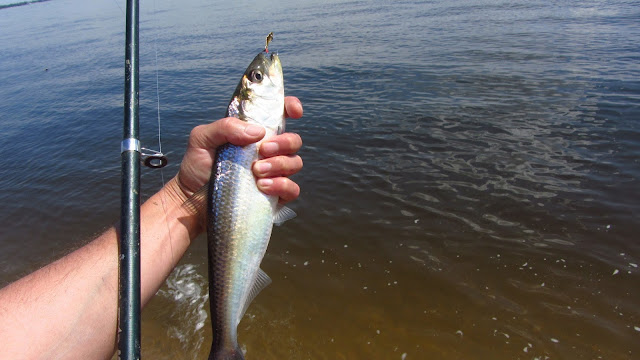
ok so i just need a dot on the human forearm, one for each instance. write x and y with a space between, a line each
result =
166 232
68 309
57 310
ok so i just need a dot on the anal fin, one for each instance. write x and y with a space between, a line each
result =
262 281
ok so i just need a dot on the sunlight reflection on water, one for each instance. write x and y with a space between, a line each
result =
470 182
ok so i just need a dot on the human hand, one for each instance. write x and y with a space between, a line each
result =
272 172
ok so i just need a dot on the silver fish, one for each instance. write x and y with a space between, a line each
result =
240 217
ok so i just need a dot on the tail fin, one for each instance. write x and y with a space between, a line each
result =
226 354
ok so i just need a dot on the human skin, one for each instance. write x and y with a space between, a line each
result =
68 309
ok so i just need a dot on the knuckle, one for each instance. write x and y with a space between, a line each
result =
293 190
292 142
288 165
286 189
196 131
283 164
298 142
226 124
197 135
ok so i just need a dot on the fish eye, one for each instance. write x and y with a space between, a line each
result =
255 76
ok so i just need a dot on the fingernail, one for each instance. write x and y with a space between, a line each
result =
264 183
253 130
263 166
270 147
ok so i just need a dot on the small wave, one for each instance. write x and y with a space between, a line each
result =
188 290
3 6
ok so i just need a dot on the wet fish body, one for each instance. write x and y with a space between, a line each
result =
241 217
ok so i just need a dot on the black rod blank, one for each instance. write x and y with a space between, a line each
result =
129 257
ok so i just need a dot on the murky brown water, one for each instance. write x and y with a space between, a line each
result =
470 188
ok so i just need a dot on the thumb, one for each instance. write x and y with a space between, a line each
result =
227 130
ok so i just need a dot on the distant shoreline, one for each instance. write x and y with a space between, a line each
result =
21 3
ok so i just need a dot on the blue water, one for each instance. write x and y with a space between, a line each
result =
471 173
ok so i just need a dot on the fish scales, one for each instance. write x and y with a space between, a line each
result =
239 216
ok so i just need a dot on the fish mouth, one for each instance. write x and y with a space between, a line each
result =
268 63
275 67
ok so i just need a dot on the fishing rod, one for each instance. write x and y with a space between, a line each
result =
129 257
132 155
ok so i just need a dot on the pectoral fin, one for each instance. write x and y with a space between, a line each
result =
283 214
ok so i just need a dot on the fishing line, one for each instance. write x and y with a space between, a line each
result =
162 197
152 158
156 159
158 97
155 48
119 7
